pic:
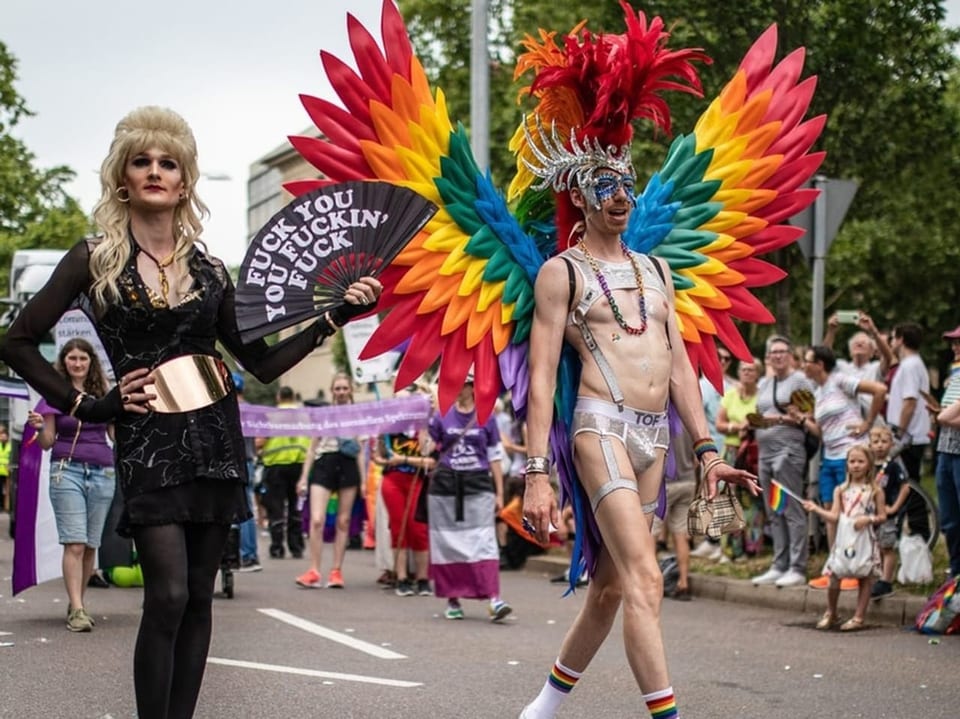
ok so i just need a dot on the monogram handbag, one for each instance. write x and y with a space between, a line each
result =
715 517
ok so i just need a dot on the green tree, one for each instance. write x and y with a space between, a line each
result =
887 80
35 210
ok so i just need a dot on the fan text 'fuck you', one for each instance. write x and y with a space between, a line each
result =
289 252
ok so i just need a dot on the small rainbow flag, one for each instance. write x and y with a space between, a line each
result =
778 498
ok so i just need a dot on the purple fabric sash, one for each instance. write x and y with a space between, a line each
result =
36 549
385 416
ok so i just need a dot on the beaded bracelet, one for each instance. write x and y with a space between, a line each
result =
538 465
704 445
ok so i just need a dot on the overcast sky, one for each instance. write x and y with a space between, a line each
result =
233 69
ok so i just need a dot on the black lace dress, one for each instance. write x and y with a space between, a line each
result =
185 467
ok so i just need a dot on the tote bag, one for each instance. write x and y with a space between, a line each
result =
852 554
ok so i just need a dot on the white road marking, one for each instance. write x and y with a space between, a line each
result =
312 673
321 631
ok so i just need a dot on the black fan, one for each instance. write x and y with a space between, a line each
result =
302 261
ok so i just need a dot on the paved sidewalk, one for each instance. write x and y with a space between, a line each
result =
898 610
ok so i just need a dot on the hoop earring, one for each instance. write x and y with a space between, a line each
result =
125 198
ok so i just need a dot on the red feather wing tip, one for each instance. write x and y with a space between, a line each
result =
759 58
302 187
396 41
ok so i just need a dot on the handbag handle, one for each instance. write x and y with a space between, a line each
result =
69 457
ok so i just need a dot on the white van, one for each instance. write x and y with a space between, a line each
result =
30 270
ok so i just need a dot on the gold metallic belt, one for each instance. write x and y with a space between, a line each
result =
188 383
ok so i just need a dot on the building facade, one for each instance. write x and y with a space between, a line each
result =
266 197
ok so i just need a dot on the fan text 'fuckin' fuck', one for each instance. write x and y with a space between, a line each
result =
289 252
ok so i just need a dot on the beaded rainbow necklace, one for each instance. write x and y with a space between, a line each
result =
637 273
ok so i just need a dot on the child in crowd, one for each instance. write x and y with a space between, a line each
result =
859 502
892 479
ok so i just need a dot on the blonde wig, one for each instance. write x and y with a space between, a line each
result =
143 129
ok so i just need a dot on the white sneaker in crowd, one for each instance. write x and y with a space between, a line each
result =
768 577
704 549
792 578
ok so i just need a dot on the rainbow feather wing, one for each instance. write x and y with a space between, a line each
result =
723 195
462 290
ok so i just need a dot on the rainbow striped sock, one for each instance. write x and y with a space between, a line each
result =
559 683
562 679
662 704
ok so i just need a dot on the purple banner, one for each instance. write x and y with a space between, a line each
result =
13 388
346 420
28 500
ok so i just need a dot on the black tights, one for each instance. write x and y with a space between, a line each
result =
180 564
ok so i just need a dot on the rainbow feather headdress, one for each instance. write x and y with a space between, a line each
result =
589 90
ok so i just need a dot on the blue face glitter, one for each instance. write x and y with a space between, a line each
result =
606 186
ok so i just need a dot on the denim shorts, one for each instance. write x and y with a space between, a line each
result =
81 496
833 473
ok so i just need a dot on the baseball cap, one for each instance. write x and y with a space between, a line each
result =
952 334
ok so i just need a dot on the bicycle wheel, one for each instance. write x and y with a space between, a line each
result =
921 514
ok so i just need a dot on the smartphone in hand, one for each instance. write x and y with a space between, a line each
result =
848 317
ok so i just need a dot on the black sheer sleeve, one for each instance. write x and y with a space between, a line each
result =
263 361
20 348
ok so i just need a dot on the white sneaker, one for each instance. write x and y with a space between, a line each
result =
792 578
768 577
705 549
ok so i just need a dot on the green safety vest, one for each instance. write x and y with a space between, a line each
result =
5 459
284 450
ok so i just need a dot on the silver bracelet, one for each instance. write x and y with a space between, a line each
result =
538 465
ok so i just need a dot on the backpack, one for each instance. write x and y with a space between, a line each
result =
941 613
671 574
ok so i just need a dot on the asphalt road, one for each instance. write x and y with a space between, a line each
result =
281 651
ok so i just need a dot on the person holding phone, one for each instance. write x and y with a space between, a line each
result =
870 354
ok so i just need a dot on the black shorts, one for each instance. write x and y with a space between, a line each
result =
335 471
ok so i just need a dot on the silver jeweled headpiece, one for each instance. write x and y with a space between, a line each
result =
562 168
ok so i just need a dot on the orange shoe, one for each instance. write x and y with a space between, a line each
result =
310 579
335 580
849 583
821 582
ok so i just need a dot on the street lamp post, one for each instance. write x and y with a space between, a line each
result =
479 85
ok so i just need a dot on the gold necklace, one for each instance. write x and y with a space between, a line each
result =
638 275
161 266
